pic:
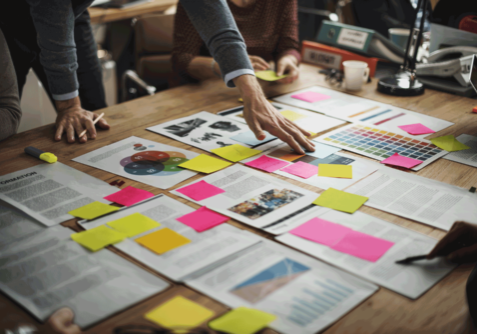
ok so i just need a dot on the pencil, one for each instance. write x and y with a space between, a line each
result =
411 259
94 122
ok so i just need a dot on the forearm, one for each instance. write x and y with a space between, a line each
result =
9 121
200 68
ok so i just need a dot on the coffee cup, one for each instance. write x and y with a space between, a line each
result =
356 73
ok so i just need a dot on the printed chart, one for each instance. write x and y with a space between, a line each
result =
153 163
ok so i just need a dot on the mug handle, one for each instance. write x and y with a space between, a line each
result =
366 74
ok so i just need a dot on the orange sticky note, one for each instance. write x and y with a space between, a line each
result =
162 241
291 157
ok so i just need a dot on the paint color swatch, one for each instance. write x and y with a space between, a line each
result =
267 164
203 219
162 241
200 190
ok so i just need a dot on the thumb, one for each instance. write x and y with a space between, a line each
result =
103 124
464 255
280 68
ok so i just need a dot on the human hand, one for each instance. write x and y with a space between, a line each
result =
288 65
258 63
458 245
61 322
261 115
72 118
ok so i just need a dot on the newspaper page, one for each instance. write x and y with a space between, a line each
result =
305 294
142 160
47 192
409 280
15 225
466 157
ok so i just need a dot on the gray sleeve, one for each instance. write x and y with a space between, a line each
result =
10 112
216 26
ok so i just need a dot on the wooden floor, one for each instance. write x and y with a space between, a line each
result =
441 310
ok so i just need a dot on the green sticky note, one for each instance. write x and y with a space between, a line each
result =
242 320
133 224
235 152
449 143
93 210
340 200
179 312
329 170
269 75
98 238
205 164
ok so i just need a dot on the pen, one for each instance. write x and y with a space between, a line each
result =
411 259
45 156
94 122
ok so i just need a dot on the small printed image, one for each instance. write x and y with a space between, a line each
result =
265 203
222 144
225 126
208 136
185 128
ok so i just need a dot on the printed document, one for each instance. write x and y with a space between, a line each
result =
15 225
466 157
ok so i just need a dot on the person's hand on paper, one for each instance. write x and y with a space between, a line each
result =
258 63
72 118
288 65
261 115
458 245
61 322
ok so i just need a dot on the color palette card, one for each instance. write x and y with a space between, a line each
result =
242 320
416 129
205 164
311 97
97 238
340 200
200 190
269 75
203 219
133 224
93 210
129 196
449 143
331 170
397 160
235 152
364 246
321 231
162 241
301 169
267 164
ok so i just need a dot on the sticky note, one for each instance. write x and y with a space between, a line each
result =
301 169
205 164
267 164
311 97
291 156
129 196
449 143
162 241
321 231
250 139
200 190
203 219
269 75
242 320
98 238
133 224
235 152
364 246
93 210
416 129
398 160
292 115
340 200
342 171
179 312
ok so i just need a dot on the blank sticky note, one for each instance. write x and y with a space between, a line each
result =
399 160
249 138
311 97
133 224
364 246
340 200
291 156
162 241
242 320
235 152
93 210
301 169
342 171
98 238
203 219
321 231
292 115
129 196
416 129
200 190
267 164
205 164
449 143
179 312
269 75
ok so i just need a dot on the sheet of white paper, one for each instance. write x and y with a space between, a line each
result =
206 249
142 160
466 157
47 192
305 294
409 280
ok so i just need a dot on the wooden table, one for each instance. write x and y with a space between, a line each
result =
102 15
442 309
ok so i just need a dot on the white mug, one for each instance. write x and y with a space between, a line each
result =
356 73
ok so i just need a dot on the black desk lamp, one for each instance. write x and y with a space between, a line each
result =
405 83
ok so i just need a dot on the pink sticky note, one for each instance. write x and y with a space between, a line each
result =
363 245
267 164
129 196
311 97
321 231
301 169
399 160
416 129
200 190
202 219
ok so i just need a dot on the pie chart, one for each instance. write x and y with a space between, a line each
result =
153 163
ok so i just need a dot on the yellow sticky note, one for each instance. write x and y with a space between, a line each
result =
292 115
98 238
291 156
179 312
242 320
205 164
449 143
343 171
269 75
93 210
235 152
162 241
340 200
133 224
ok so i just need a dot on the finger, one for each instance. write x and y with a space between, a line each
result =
280 68
62 321
300 138
103 124
70 134
303 131
88 123
59 132
255 126
262 62
79 129
464 255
